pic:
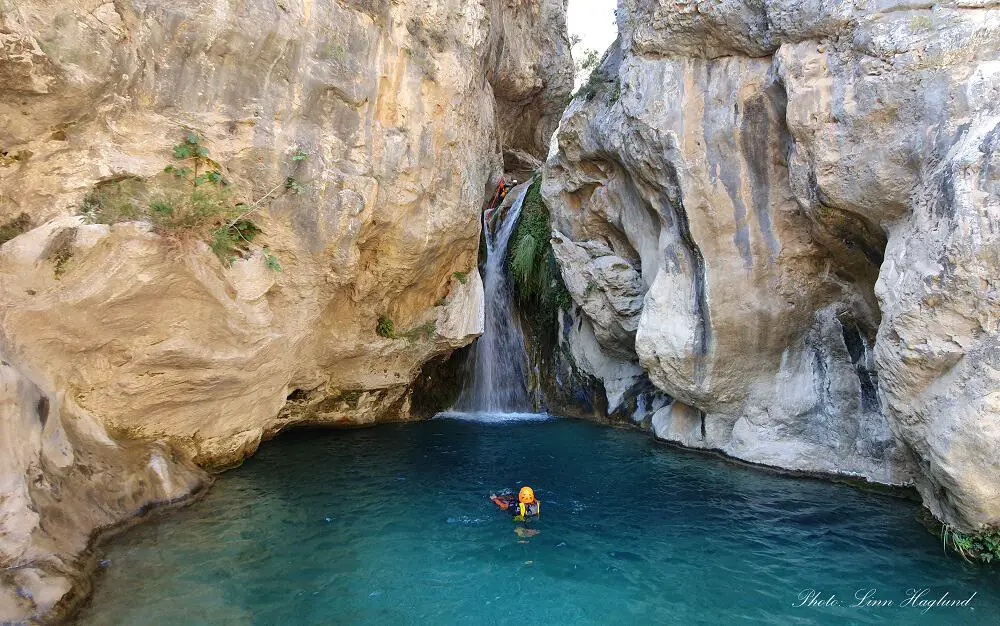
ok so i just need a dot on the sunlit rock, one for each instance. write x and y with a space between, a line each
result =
755 163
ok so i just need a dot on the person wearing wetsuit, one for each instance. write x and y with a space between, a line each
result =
523 506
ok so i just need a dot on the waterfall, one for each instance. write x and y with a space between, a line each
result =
496 381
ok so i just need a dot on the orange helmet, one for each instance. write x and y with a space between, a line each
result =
526 495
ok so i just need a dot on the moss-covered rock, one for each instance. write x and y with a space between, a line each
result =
538 285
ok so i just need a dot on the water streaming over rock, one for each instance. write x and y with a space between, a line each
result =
496 366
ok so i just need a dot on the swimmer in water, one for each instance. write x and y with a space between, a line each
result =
523 507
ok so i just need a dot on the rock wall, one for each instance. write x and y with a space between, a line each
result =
785 213
129 356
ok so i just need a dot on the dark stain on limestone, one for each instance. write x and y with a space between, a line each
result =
303 405
12 228
42 409
770 107
820 381
703 334
988 175
859 348
755 143
778 97
59 250
377 9
725 168
671 261
348 398
854 231
943 206
568 390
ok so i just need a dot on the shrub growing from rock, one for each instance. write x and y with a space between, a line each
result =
191 198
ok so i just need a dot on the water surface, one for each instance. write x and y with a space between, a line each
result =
392 525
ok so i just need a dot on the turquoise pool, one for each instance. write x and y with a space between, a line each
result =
392 525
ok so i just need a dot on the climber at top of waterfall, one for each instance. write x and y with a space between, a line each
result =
522 507
500 193
503 188
497 200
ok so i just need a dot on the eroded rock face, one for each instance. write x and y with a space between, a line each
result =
63 477
754 163
389 118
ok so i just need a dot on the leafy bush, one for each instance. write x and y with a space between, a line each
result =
232 241
271 261
191 198
596 83
538 283
114 201
385 327
983 546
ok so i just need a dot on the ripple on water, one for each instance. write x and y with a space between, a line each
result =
392 526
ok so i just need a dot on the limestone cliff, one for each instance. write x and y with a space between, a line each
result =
358 139
785 213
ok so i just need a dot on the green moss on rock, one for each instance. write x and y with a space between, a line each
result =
538 283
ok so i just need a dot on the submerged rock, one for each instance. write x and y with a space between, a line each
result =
361 138
754 164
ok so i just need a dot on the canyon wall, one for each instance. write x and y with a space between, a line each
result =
785 214
361 137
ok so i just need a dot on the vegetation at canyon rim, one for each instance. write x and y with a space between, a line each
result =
597 82
585 60
192 197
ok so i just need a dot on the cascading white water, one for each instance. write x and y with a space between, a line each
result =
496 381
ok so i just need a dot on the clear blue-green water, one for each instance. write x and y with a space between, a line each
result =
392 526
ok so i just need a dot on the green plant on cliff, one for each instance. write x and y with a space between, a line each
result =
982 546
192 198
538 284
600 81
423 332
385 328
